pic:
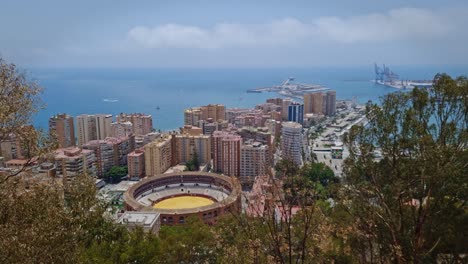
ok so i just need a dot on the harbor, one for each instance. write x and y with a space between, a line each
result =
385 76
290 89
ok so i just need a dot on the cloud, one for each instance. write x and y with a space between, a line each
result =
221 35
397 24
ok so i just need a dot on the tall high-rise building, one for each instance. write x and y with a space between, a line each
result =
103 126
296 113
192 116
285 108
136 163
93 127
187 145
317 103
158 156
226 153
214 111
142 123
308 103
62 127
331 103
291 142
255 161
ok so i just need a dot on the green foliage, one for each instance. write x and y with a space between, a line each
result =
319 172
192 242
115 174
401 204
193 164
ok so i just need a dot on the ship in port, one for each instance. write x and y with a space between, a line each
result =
385 76
291 89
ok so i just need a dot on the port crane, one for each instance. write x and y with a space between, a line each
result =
384 74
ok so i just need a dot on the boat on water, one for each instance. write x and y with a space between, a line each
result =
110 100
157 107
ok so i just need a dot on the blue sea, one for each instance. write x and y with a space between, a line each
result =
84 91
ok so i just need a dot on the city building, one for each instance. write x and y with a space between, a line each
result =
122 129
226 153
142 140
104 152
122 147
11 148
313 103
110 152
276 101
215 111
296 113
142 123
149 221
93 127
255 161
259 134
158 156
330 109
136 164
73 161
61 127
187 145
209 126
291 142
192 116
232 113
268 107
285 108
191 130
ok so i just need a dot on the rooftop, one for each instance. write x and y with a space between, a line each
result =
140 218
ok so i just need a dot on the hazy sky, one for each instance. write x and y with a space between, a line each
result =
254 33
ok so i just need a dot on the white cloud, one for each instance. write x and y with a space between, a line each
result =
398 24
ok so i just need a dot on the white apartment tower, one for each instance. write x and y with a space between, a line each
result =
291 142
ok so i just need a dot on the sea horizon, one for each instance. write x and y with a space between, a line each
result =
110 90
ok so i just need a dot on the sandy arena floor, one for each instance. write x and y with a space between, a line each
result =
183 202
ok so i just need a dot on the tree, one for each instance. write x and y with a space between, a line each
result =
193 164
116 173
19 101
50 222
411 205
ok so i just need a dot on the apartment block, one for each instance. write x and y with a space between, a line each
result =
61 126
122 129
136 163
93 127
158 156
142 123
187 145
192 116
226 153
214 111
255 161
73 161
296 113
291 142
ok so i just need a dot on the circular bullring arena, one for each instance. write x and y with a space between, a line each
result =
177 196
